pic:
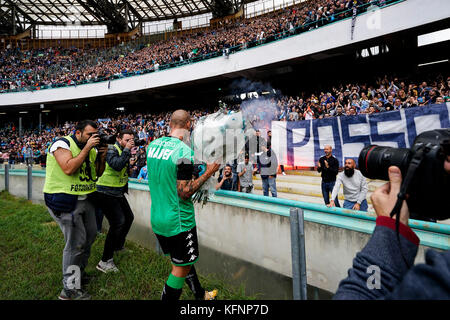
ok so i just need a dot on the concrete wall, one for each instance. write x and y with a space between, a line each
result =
395 18
263 238
256 236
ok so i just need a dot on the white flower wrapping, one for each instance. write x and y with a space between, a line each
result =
219 137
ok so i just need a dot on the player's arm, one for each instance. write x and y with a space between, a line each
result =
186 186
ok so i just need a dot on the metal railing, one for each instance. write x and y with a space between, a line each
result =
299 279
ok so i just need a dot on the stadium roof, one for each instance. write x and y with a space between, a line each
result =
116 14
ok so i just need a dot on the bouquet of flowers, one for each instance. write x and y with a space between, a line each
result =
218 137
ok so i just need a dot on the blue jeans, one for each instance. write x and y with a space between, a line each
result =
327 189
267 183
350 204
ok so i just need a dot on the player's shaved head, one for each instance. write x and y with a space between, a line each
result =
179 119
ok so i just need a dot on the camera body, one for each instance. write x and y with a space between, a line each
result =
105 138
429 184
139 142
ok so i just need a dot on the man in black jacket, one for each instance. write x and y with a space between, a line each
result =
253 147
269 168
110 197
329 166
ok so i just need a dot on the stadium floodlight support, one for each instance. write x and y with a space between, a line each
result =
144 11
108 14
189 7
151 9
129 9
13 20
168 7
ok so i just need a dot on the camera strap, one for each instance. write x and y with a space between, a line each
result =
401 196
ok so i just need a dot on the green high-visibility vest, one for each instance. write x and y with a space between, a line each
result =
78 183
114 178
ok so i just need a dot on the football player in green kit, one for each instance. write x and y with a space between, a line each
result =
170 163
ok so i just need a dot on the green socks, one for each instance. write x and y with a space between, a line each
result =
172 288
175 282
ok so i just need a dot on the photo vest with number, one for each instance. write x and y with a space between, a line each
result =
78 183
114 178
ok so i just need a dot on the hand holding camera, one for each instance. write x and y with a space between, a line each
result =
130 144
93 141
385 197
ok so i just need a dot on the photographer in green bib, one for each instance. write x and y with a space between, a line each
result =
74 164
110 197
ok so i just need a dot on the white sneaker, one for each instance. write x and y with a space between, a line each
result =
283 173
107 266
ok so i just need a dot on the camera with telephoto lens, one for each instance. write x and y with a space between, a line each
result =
425 181
105 138
139 142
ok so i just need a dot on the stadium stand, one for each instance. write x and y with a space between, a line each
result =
385 94
55 67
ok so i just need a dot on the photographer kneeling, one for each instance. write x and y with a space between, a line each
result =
393 245
69 178
110 197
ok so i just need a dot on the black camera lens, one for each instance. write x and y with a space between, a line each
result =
106 139
374 161
139 142
430 182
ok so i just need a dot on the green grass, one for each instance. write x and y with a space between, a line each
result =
31 246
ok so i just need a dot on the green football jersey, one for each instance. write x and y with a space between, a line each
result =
170 215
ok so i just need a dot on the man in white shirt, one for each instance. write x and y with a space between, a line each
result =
245 172
355 187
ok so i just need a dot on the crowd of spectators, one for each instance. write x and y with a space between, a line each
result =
386 94
31 146
54 67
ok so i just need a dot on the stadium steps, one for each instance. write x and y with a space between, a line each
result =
303 198
316 180
302 185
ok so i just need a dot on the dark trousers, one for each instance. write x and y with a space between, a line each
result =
99 218
120 217
327 189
